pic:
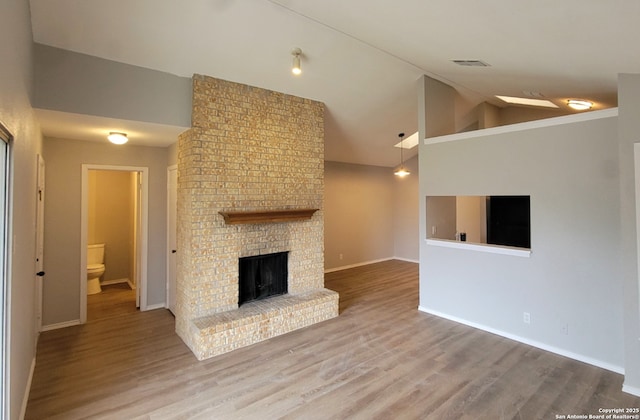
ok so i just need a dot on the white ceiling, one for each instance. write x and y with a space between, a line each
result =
362 58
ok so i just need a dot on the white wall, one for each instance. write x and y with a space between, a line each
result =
572 277
628 129
17 115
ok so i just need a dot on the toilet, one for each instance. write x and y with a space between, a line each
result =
95 268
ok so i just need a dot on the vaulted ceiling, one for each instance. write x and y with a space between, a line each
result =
362 58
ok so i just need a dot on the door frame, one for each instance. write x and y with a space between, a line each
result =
143 246
5 266
40 193
169 227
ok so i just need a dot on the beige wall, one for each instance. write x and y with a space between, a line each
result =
405 220
359 214
370 214
471 217
110 220
62 219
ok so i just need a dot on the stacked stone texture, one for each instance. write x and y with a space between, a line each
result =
249 149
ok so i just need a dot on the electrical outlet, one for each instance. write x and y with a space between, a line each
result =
434 230
526 317
340 256
565 329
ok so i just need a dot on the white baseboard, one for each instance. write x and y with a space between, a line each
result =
60 325
115 281
27 391
533 343
407 260
346 267
131 285
633 390
156 306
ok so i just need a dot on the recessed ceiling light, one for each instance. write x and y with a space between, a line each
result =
117 138
409 143
527 101
579 104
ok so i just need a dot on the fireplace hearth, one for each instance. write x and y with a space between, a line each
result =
262 276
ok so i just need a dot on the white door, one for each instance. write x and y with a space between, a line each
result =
137 179
4 270
172 207
39 240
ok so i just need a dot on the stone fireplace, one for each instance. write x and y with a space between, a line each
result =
250 183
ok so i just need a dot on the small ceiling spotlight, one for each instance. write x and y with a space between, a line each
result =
579 104
117 138
295 69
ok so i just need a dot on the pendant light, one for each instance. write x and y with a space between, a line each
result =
295 68
402 171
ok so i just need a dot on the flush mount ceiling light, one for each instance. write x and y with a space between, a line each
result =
117 138
401 171
295 69
579 104
527 101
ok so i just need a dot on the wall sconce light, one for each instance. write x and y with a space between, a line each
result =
579 105
117 138
401 171
295 69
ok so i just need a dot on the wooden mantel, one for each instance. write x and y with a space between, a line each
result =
266 216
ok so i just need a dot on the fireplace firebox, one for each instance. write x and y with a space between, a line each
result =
263 276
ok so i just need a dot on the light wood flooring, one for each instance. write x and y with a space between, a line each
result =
380 359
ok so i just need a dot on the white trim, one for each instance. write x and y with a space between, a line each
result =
25 398
406 260
143 242
533 343
493 249
168 250
6 264
529 125
116 281
155 306
631 390
346 267
59 325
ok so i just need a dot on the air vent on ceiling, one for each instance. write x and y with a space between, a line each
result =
471 63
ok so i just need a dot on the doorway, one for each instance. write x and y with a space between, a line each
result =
115 220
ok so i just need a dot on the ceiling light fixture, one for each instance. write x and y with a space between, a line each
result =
117 138
295 69
401 171
579 104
